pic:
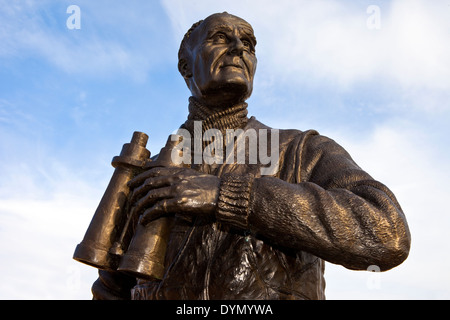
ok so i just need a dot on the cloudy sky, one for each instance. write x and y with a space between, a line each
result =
372 75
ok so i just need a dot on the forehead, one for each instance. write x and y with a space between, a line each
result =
227 23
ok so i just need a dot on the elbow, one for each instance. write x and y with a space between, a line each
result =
396 255
380 255
395 246
391 254
388 245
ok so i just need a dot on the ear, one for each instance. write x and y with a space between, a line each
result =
184 69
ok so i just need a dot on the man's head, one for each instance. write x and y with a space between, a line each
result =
217 60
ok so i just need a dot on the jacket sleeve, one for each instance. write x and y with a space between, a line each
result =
334 210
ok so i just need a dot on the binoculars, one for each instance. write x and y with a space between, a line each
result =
115 240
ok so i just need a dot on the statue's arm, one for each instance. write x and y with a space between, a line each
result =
339 214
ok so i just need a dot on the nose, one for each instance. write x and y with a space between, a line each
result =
236 47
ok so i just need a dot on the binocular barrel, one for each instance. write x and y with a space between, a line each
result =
147 250
109 218
107 243
146 254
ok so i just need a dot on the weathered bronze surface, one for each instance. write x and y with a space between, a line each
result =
145 255
237 220
97 247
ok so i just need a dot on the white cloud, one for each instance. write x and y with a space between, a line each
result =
39 237
44 214
45 208
96 49
400 155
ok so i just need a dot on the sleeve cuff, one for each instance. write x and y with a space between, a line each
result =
234 200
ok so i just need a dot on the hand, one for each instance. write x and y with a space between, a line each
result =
171 190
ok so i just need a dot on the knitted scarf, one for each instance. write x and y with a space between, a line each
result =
234 117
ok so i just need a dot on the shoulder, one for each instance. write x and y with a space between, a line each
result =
286 136
307 141
305 152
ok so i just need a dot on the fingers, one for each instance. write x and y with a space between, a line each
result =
164 190
161 208
151 198
160 172
149 184
154 172
157 178
140 178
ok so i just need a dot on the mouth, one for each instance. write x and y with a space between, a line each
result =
232 65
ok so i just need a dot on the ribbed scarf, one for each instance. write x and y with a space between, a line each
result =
234 117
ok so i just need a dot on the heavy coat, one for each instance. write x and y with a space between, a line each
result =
271 234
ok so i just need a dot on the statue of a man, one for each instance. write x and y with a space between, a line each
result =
249 233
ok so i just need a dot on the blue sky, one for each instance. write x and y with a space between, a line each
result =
70 98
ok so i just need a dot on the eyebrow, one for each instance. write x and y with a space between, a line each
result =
226 28
221 27
249 33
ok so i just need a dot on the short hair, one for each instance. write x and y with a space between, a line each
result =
184 42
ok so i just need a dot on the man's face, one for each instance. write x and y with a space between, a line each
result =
222 60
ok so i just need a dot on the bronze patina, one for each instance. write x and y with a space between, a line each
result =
231 208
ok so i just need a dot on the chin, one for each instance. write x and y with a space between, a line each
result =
227 93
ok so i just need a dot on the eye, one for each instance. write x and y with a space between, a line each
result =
220 37
248 45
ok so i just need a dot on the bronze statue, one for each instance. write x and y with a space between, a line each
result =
216 217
